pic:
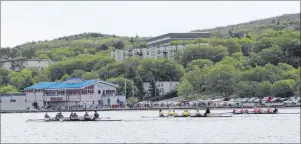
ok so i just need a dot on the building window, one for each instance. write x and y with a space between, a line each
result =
12 100
0 101
99 92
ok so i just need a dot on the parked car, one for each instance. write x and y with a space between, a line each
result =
245 100
254 100
290 101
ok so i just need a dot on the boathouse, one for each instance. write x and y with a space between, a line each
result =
72 92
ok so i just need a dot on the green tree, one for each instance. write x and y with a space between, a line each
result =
77 73
200 63
185 88
130 87
232 45
8 89
264 89
222 79
90 75
246 88
283 88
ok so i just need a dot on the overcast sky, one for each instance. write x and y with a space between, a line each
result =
27 21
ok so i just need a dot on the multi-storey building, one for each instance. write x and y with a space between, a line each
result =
71 92
164 87
18 65
151 52
159 47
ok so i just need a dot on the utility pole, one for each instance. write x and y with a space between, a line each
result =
1 83
155 90
125 87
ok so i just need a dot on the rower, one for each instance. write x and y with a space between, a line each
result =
86 115
268 110
161 114
71 115
174 113
61 115
197 113
57 117
260 110
96 115
255 110
186 113
207 112
170 113
75 115
275 110
47 116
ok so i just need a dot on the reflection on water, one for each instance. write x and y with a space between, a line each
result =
239 129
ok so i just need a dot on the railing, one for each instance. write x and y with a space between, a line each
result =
12 94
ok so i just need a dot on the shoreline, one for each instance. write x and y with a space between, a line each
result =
137 109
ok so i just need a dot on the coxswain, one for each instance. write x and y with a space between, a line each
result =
47 116
96 115
161 114
234 111
197 113
207 112
275 110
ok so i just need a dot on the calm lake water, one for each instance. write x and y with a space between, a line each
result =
134 129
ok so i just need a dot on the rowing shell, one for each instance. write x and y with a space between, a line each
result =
261 113
212 116
70 120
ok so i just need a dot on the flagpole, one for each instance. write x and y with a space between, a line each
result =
125 87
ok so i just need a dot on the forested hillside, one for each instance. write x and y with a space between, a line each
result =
258 64
283 22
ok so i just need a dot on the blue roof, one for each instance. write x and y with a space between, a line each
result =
66 84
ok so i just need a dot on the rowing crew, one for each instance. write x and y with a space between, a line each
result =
256 110
72 116
186 113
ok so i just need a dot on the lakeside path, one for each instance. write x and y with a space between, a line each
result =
141 109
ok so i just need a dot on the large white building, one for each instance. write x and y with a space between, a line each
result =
71 92
18 65
159 46
164 87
